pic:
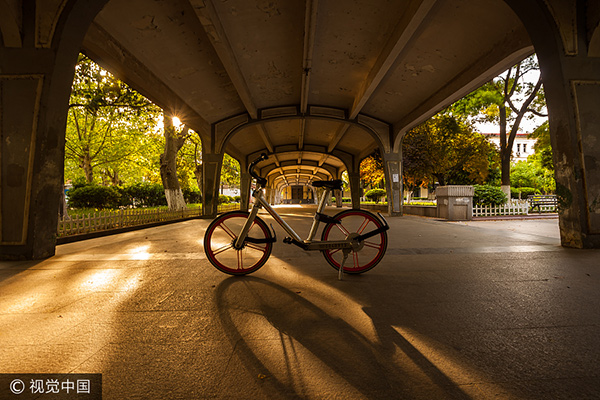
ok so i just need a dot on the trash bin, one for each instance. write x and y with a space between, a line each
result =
455 202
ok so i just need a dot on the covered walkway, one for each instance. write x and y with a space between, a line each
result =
481 310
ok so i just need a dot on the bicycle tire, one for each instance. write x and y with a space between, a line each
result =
220 236
353 223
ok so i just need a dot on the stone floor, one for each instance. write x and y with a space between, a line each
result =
456 310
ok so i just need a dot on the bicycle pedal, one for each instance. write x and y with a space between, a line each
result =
288 240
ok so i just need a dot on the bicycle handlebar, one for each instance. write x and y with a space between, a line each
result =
260 180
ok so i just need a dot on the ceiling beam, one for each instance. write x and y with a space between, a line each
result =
337 137
408 25
262 131
302 133
107 52
310 27
481 71
207 14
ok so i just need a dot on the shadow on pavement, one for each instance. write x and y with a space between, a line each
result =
298 350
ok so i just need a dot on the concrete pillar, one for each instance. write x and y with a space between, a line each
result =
354 178
393 178
36 73
211 176
571 75
245 190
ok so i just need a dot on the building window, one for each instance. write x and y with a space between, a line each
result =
524 147
518 147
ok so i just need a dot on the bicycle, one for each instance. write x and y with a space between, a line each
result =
240 242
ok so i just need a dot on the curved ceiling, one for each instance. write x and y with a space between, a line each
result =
300 77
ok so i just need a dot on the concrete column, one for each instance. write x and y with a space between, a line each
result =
36 73
570 70
245 189
211 176
393 178
354 178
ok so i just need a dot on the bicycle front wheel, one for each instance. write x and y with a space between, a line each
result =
219 244
366 254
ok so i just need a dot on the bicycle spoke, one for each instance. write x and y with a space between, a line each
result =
355 259
345 231
363 225
219 245
351 224
373 245
227 230
222 249
256 247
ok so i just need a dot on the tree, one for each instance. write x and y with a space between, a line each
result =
507 100
230 172
542 147
106 123
189 163
446 149
371 170
174 140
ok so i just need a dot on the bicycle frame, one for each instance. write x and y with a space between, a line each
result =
308 244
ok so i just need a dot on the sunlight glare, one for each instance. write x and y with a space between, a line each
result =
177 122
140 253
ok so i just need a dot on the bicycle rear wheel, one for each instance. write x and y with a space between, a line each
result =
366 253
220 237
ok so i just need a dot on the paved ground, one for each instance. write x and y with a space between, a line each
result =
478 310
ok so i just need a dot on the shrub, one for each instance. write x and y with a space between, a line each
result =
94 196
192 195
344 199
375 194
223 199
525 191
489 195
237 199
145 194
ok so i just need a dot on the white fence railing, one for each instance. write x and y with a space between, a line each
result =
106 220
514 207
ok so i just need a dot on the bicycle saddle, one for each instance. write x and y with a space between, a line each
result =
333 184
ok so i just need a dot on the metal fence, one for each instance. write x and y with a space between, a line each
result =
107 220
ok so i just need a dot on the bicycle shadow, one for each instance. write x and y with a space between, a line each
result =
294 349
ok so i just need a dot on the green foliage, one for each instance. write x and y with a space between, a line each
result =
344 199
230 171
542 147
191 195
144 194
489 195
109 128
371 170
224 199
532 174
523 192
375 194
94 196
237 199
446 149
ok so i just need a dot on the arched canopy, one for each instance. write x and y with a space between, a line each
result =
290 76
336 77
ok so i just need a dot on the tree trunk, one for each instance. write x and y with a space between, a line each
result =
168 166
85 162
198 175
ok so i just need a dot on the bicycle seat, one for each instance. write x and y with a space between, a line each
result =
335 184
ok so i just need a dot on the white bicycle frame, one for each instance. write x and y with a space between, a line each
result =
308 244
